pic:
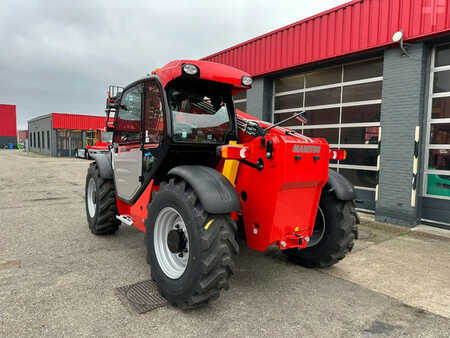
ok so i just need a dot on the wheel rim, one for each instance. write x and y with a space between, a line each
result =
171 243
92 197
319 229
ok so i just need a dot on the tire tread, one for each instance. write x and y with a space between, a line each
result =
218 249
105 222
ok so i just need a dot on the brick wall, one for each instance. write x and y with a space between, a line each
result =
259 99
402 110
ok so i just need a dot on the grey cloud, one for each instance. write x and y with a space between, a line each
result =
61 55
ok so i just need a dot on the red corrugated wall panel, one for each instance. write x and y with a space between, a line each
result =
350 28
77 122
8 125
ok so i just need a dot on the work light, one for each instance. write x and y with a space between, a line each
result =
247 81
233 152
338 154
190 69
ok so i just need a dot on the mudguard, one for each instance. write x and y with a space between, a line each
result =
215 192
340 186
103 160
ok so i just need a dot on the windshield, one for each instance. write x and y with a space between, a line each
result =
199 118
107 136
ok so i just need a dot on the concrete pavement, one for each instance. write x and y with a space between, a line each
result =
412 267
56 278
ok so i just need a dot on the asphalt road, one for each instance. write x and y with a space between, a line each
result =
56 278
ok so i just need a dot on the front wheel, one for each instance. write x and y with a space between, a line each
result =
100 201
333 237
191 252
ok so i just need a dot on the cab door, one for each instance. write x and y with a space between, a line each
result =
153 128
127 152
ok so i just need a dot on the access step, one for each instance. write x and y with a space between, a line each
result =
125 219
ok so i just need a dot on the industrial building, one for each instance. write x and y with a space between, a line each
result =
373 77
8 126
59 134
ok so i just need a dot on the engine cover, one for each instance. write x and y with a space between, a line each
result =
280 201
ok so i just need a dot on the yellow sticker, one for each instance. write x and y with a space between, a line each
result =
209 223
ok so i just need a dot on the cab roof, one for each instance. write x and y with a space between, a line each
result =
211 71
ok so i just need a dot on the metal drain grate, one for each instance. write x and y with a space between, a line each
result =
142 297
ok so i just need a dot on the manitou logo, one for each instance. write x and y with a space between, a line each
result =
306 149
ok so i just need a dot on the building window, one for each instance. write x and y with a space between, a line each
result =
34 139
39 139
342 104
43 140
76 141
31 140
437 154
240 101
62 142
48 139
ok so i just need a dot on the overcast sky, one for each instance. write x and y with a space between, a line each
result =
59 56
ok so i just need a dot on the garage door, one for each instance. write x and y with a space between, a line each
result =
436 189
342 104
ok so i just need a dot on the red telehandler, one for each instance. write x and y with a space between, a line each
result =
100 142
189 170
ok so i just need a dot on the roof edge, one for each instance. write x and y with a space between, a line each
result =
328 11
71 114
39 117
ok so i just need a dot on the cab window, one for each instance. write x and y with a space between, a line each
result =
199 117
154 118
127 125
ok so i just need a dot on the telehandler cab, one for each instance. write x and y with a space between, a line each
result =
189 170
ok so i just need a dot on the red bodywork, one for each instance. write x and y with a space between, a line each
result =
281 201
208 71
137 211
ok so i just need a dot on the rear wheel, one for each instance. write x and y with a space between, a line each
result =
191 252
100 201
333 237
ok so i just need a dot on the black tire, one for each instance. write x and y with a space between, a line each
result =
338 238
104 221
212 249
